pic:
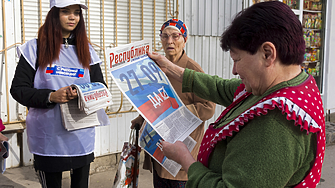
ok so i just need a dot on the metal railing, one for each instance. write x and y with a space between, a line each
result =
168 10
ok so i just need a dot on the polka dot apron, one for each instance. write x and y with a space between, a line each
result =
300 103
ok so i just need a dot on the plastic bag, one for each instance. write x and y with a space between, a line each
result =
125 173
4 152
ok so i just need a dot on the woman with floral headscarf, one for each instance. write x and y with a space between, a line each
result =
173 36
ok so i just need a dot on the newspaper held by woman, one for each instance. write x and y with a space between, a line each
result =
87 110
92 96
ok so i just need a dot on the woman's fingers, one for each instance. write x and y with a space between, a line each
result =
63 95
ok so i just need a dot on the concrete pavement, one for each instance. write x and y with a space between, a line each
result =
328 169
103 170
24 177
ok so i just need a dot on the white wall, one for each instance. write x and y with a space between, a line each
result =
206 20
329 85
102 32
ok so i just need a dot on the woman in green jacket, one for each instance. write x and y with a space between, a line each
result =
272 132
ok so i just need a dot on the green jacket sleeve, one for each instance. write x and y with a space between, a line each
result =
269 151
213 88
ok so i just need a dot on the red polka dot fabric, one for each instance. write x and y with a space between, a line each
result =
300 103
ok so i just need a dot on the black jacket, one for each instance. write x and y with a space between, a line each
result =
22 89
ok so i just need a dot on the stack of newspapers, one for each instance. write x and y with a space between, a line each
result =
83 112
92 96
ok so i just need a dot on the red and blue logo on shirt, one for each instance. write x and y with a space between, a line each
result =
65 71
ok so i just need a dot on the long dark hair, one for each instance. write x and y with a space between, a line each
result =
50 40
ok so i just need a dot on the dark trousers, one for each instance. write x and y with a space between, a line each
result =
79 178
166 183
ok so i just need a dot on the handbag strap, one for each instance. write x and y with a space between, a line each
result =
132 137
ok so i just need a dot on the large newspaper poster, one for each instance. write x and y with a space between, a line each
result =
150 92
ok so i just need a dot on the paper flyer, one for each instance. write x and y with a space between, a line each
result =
150 141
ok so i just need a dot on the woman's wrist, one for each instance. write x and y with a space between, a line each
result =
177 72
187 162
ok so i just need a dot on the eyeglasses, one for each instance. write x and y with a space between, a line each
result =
165 37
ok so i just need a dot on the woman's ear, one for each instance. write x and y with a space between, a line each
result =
184 44
269 52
